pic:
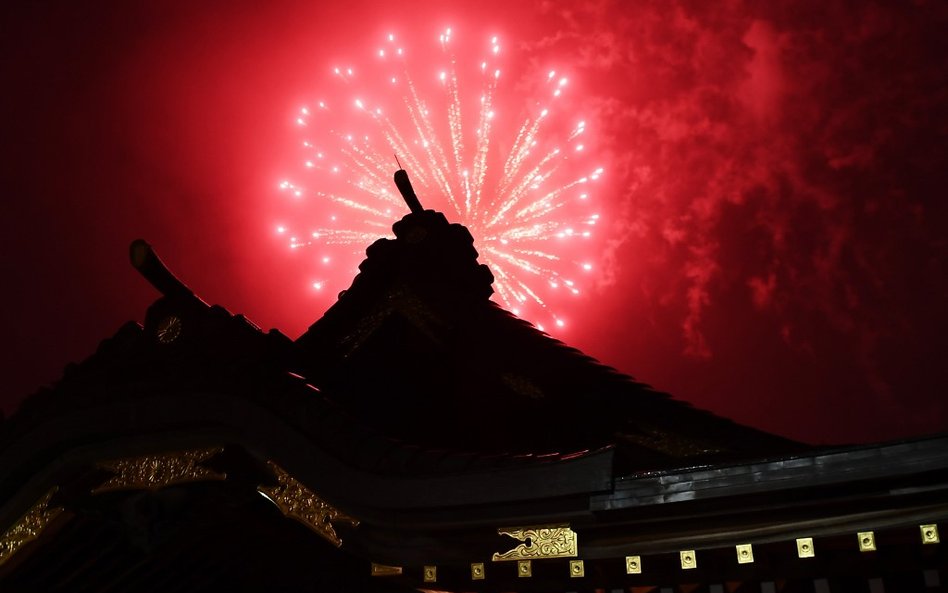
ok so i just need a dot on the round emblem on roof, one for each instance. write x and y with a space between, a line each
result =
168 329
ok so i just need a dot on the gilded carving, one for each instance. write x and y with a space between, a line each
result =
299 502
28 527
545 541
169 329
151 472
670 443
397 301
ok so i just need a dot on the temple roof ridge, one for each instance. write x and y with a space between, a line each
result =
416 335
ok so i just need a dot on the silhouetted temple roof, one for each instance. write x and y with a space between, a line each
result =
410 434
416 348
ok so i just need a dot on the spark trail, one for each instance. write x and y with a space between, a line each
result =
515 171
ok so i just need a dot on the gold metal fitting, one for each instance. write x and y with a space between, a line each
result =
381 570
688 559
867 541
431 574
805 547
745 553
477 571
524 568
633 565
576 569
929 534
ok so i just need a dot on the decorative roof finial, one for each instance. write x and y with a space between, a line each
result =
404 187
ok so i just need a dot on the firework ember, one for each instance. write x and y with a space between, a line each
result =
516 171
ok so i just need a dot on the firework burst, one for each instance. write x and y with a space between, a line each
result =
515 171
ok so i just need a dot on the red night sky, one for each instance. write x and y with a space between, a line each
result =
773 239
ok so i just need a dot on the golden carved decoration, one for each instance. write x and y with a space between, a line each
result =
522 385
576 569
28 527
929 534
381 570
745 553
670 443
805 547
430 574
688 559
296 501
477 571
151 472
544 541
168 329
867 541
633 565
398 301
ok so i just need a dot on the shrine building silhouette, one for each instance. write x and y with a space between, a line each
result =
420 437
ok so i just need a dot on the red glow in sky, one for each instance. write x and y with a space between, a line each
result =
773 239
